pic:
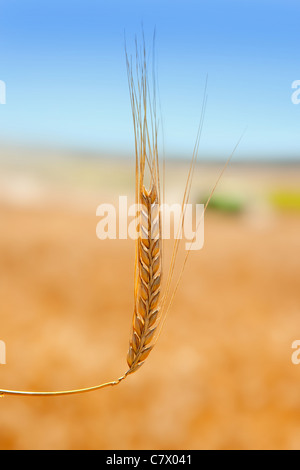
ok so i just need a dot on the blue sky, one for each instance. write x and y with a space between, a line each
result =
64 67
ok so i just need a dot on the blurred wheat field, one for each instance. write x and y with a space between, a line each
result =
221 375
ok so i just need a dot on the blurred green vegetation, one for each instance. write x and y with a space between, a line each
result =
235 204
226 203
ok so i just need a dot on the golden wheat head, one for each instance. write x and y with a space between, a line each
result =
148 264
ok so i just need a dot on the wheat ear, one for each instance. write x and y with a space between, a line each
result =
148 281
148 264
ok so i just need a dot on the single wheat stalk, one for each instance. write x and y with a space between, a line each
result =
150 306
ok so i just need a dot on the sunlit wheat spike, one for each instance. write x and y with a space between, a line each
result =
148 279
148 264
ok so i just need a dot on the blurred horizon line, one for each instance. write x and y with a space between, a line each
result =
7 149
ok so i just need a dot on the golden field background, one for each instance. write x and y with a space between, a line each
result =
221 375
